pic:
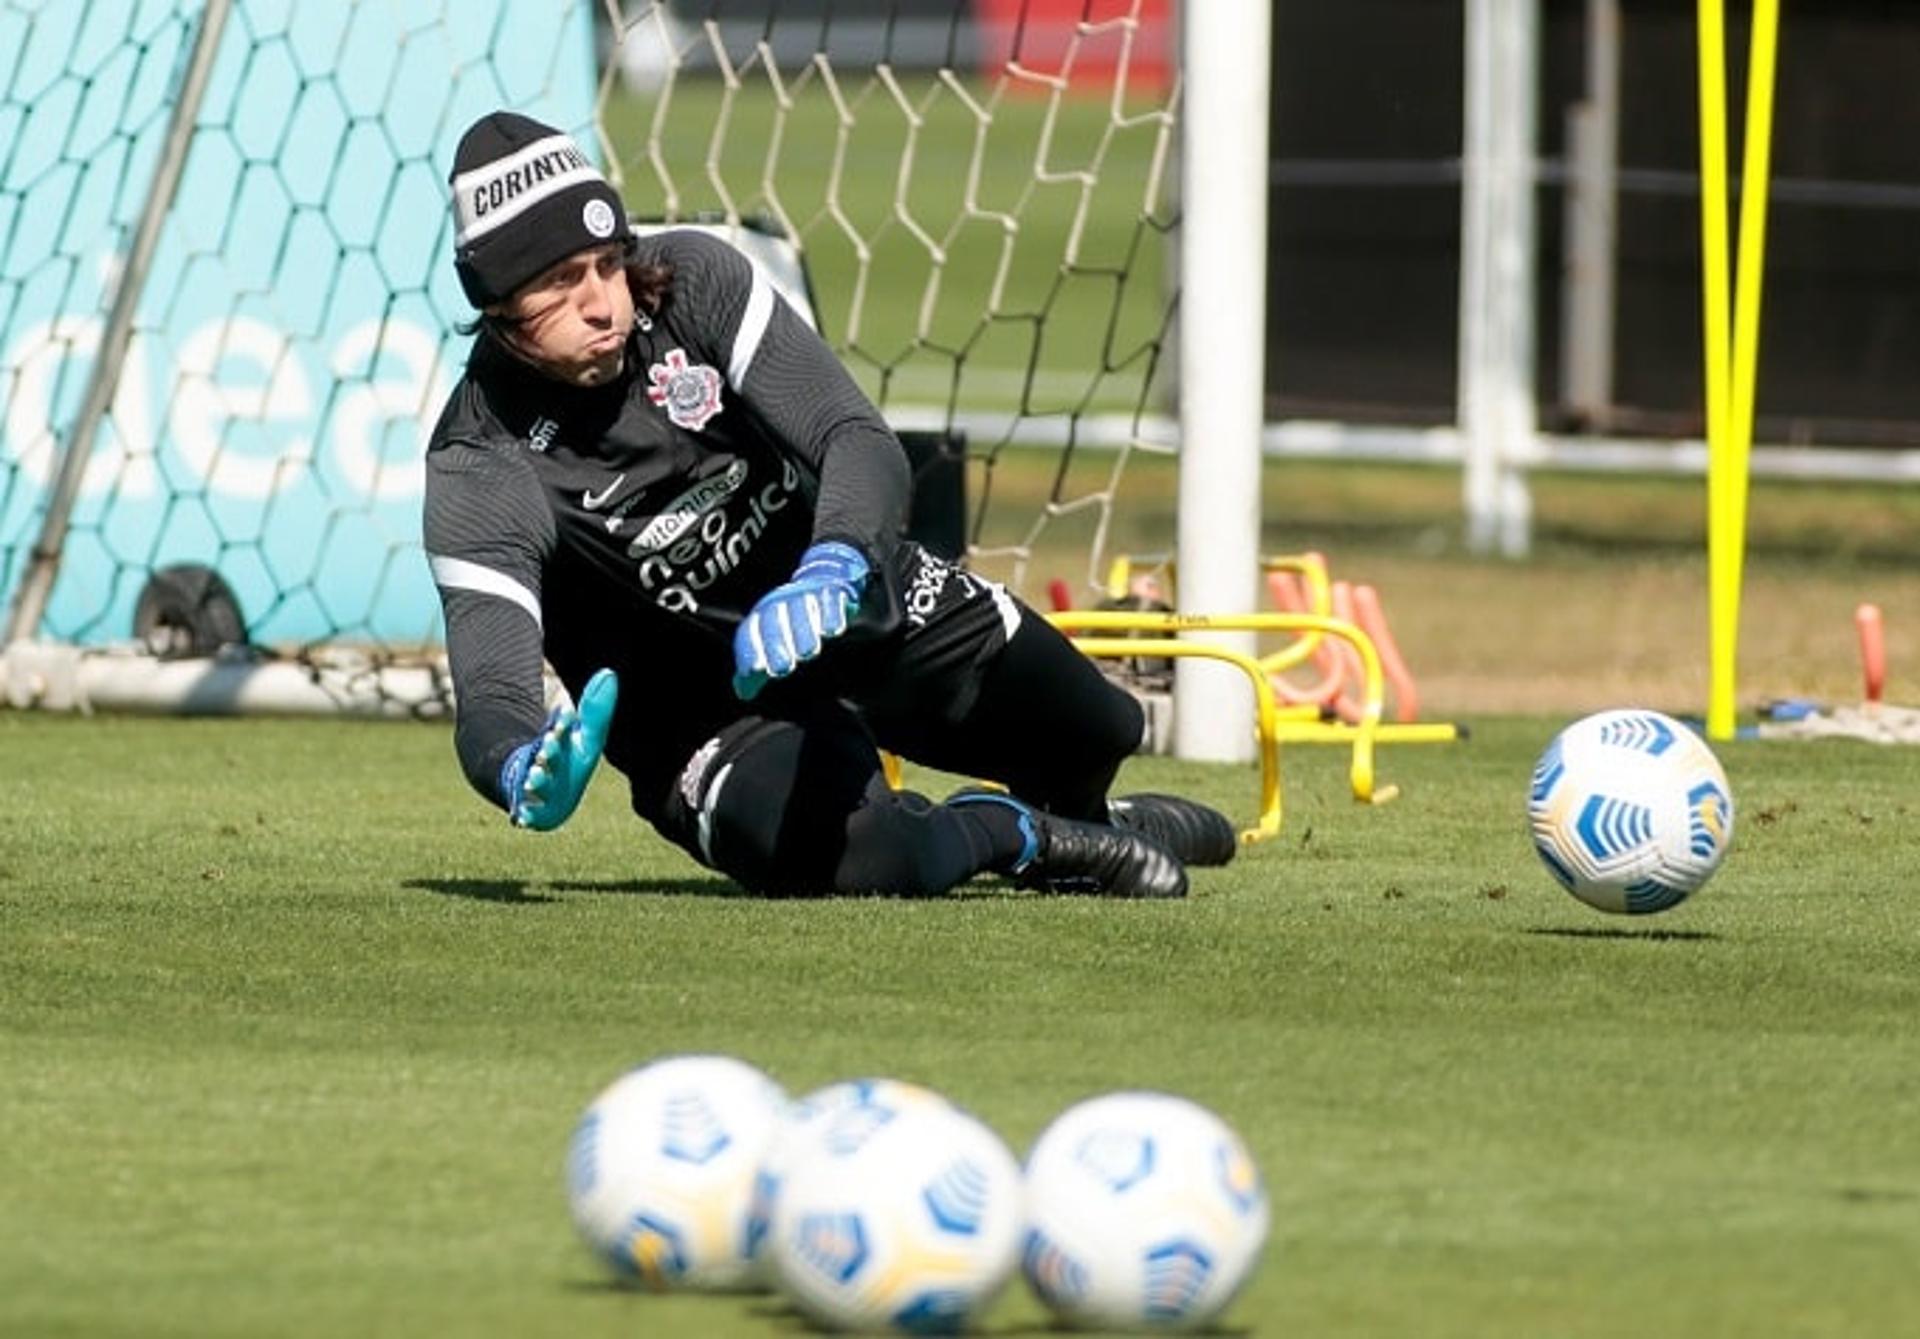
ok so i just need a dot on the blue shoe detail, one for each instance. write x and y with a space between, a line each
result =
1023 816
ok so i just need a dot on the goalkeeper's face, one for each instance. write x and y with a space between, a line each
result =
572 319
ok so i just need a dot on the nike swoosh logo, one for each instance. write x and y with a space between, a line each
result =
593 501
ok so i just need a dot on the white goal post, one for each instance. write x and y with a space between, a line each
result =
1223 273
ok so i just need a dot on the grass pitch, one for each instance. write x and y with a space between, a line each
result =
293 1030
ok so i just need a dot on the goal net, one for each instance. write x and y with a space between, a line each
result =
228 313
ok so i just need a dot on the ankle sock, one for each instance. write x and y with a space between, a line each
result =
1005 827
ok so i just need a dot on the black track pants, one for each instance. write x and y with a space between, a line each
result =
797 804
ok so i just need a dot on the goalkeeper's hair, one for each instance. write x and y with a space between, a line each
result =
651 284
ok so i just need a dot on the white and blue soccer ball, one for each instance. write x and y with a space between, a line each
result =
661 1171
1145 1212
1630 811
895 1212
842 1110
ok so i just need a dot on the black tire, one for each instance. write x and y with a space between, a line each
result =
187 611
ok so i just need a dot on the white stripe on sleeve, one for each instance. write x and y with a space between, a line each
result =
753 328
459 574
1009 611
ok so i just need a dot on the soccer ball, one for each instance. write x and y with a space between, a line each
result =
901 1215
660 1172
1145 1211
1630 811
840 1111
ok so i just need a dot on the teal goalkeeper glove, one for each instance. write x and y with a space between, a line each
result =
543 780
793 622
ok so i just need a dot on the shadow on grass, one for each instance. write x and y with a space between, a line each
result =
479 890
699 885
1613 932
518 892
716 885
787 1318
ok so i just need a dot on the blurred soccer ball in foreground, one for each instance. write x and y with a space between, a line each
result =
1145 1211
896 1213
1630 811
660 1173
840 1110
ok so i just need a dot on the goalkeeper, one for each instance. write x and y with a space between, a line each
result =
656 477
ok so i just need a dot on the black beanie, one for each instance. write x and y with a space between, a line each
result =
524 196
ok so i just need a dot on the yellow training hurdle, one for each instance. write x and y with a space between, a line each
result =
1136 633
1270 723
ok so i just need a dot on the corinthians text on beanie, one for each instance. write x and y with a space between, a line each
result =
524 196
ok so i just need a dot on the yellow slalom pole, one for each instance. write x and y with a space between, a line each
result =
1731 360
1749 281
1716 330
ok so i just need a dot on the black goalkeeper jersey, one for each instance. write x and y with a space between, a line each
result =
632 525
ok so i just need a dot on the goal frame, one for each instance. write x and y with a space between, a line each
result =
1221 255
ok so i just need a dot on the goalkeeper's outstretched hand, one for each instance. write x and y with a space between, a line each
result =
793 622
544 778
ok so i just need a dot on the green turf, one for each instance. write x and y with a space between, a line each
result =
293 1031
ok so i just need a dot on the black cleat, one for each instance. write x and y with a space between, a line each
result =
1193 832
1080 857
1065 855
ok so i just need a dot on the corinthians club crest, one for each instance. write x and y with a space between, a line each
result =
689 392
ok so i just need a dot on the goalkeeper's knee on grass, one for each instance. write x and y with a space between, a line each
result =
543 780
